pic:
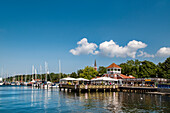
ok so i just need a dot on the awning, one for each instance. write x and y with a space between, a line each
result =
66 79
104 79
82 79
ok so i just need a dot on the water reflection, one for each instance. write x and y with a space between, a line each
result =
28 99
122 102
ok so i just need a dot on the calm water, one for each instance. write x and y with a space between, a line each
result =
26 99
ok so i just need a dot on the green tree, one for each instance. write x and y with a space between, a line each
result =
88 73
63 75
164 69
131 67
102 70
147 69
125 68
79 71
73 75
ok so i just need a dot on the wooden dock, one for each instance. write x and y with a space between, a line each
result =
93 88
88 88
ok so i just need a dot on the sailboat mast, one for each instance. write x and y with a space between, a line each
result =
32 72
41 72
2 73
7 76
35 74
25 77
21 78
46 70
59 69
18 78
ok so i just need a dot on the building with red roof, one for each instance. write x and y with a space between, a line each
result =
114 71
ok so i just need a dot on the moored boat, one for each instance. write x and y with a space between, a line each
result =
13 83
1 82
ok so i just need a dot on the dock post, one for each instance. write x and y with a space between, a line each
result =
79 90
96 90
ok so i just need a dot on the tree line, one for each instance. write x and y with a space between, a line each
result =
136 68
146 69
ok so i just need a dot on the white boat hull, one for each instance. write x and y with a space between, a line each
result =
1 83
45 86
55 86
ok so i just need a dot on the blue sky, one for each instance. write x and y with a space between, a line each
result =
35 31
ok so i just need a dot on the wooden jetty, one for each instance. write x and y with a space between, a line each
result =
88 88
93 88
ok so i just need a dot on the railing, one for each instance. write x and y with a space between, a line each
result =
143 79
88 86
164 86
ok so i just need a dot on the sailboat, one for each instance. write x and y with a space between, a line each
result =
54 85
18 82
35 84
47 84
46 70
41 85
31 78
25 80
33 71
1 79
21 82
13 81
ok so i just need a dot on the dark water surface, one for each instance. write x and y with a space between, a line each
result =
15 99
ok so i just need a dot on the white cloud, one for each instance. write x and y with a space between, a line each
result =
144 54
85 48
111 49
163 52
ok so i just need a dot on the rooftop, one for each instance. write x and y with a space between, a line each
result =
113 65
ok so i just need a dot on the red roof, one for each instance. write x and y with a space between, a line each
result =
124 76
113 65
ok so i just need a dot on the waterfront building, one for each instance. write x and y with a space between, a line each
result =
114 71
145 81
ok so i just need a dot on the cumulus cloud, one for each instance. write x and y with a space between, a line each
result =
85 48
144 54
111 49
163 52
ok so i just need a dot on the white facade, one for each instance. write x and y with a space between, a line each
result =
114 70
